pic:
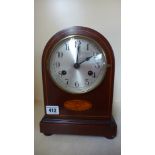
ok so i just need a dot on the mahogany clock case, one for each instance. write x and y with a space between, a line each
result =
96 121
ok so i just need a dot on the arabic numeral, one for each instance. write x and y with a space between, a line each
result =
53 110
97 65
57 64
76 84
77 43
60 54
67 81
67 46
94 54
60 73
94 75
87 47
87 81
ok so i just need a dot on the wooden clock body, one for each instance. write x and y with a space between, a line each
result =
97 120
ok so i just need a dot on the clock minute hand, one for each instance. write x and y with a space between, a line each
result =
77 57
87 59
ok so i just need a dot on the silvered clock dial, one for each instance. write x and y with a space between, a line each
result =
77 64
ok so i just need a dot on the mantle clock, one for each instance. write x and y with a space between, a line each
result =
78 77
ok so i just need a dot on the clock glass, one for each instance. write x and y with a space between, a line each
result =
77 64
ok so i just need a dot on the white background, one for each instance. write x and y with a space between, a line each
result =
51 16
17 77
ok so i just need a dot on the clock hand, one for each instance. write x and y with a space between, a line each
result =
87 59
77 65
77 57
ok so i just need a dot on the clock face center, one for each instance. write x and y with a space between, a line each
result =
76 65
